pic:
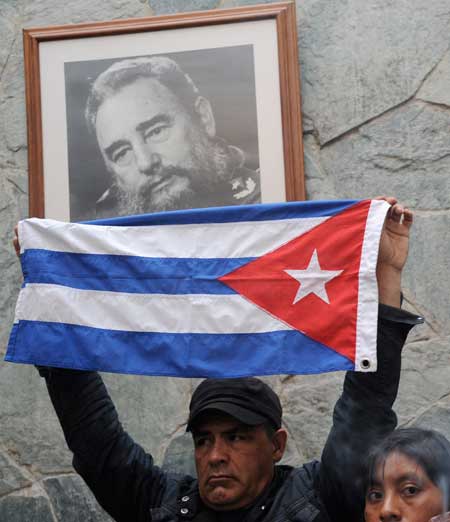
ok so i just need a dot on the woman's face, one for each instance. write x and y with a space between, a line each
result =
403 492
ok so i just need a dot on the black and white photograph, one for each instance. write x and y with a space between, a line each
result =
165 132
164 113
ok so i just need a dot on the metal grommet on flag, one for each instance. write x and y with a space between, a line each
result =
365 364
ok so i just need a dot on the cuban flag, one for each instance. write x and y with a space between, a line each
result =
285 288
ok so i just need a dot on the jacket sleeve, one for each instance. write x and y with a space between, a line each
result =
121 475
362 416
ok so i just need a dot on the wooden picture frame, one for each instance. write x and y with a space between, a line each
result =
220 45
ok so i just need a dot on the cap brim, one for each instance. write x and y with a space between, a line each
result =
243 415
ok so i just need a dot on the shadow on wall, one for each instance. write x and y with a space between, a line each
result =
179 456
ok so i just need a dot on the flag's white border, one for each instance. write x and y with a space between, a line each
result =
367 314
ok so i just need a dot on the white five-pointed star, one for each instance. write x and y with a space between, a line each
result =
313 279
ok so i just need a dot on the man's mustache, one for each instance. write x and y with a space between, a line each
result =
161 173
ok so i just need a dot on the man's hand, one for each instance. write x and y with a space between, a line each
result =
393 252
16 241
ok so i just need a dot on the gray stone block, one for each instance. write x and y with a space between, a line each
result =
43 13
175 6
179 456
405 152
420 332
437 417
151 409
319 184
239 3
13 137
308 402
435 87
72 501
12 477
427 278
30 428
424 379
25 509
359 59
8 29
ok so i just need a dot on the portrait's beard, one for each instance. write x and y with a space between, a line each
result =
203 182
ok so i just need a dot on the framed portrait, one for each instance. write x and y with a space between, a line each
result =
162 113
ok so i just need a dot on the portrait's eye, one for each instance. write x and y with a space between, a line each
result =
374 495
158 133
121 156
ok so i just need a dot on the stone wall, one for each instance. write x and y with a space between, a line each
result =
376 97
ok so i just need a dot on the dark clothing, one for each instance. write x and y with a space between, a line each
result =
131 488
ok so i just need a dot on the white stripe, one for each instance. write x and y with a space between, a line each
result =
226 240
144 312
367 315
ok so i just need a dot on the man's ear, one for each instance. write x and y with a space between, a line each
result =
204 111
279 444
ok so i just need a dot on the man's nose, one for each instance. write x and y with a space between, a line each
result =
390 510
146 159
218 453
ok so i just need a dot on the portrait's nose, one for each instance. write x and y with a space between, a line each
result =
390 511
146 159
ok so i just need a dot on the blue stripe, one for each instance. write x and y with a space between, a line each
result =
179 355
238 213
132 274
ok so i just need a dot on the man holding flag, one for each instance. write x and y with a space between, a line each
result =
237 431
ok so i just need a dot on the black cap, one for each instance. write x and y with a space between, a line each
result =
247 399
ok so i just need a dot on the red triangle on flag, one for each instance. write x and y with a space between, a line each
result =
337 245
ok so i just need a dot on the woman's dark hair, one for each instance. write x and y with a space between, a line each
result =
429 448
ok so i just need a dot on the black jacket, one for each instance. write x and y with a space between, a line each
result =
131 488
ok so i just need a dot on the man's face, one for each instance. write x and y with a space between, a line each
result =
156 151
234 461
402 492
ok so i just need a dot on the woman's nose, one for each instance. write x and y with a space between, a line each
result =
390 509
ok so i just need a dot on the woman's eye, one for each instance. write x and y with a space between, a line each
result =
374 496
410 491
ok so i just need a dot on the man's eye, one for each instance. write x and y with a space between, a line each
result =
374 495
199 442
236 437
157 134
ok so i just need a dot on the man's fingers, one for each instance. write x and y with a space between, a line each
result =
16 241
408 217
390 199
396 212
399 214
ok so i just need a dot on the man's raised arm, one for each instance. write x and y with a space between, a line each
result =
118 471
363 413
